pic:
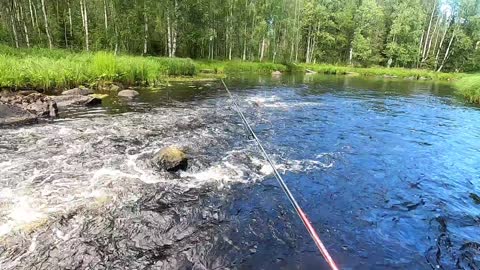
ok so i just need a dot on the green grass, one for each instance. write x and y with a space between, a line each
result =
39 68
48 69
469 87
381 71
236 66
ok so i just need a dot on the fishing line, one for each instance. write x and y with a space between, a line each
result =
308 225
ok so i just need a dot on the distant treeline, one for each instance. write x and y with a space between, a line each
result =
434 34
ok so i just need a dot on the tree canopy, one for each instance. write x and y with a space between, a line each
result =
434 34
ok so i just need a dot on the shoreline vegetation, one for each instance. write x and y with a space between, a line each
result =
469 87
45 69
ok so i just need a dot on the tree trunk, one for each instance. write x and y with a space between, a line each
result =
428 31
307 55
83 9
14 29
447 52
169 37
244 56
441 42
105 17
262 50
70 21
31 14
145 38
47 29
431 38
25 29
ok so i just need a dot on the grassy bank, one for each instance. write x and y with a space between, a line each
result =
50 69
469 87
46 69
237 66
381 71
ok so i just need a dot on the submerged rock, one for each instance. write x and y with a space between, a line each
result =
475 198
276 73
171 159
37 104
78 92
68 100
129 93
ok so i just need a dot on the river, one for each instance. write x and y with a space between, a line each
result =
387 170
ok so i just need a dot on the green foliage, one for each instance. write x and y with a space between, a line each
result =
236 66
368 38
469 87
33 69
405 33
373 32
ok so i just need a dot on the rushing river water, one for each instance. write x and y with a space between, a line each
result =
387 170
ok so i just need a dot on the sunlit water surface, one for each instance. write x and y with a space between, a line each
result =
385 169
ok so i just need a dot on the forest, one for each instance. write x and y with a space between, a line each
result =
440 35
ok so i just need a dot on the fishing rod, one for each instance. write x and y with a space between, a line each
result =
308 225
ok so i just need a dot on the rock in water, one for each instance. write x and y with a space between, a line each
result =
277 73
171 159
78 92
13 115
114 87
35 103
128 93
65 101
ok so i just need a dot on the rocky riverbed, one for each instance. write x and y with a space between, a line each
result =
28 106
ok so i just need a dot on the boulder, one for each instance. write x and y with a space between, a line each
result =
114 88
65 101
170 159
13 115
78 92
129 93
276 73
38 104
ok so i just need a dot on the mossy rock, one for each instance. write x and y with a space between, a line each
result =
170 159
99 96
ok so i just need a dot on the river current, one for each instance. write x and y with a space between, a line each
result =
387 170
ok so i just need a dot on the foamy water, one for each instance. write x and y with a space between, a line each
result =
56 168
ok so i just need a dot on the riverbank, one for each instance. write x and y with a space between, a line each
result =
43 69
413 74
469 87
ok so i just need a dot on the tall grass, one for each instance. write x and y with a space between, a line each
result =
381 71
236 66
47 69
469 87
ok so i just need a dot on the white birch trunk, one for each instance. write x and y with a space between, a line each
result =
25 29
169 37
83 7
14 29
428 31
145 38
31 13
262 50
441 42
447 52
47 29
105 16
431 38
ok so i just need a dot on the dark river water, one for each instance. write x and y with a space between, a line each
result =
387 170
